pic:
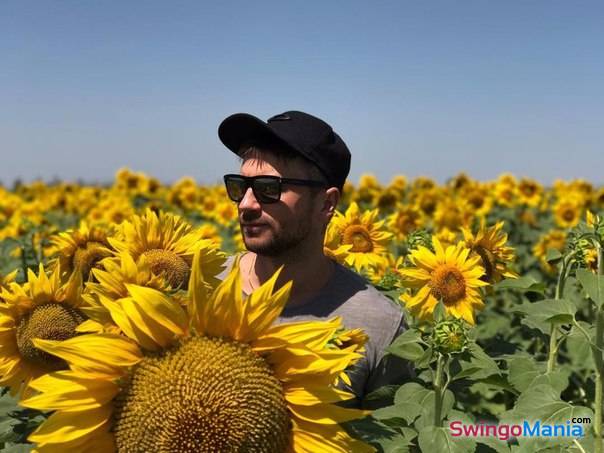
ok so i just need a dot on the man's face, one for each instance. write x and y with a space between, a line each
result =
274 228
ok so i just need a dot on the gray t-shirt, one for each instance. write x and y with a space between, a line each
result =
360 305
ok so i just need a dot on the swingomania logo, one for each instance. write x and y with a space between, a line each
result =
573 428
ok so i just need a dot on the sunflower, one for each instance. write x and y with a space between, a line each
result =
111 283
8 278
450 275
168 244
41 308
399 184
567 212
450 214
554 239
386 275
490 244
112 208
404 220
219 377
81 250
506 190
598 198
477 198
369 188
426 200
446 237
332 246
459 182
529 192
366 235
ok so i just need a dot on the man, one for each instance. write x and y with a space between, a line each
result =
292 172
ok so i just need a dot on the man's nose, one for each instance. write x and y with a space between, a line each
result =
249 201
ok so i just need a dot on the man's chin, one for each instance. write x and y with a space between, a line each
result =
261 247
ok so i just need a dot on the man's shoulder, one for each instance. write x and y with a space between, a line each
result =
366 307
228 265
364 296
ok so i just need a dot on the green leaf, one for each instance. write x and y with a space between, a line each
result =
592 284
425 359
376 433
553 255
480 365
500 446
433 439
580 348
542 402
524 283
540 315
407 346
385 392
17 448
413 392
440 312
524 372
407 411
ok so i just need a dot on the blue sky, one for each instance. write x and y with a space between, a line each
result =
416 88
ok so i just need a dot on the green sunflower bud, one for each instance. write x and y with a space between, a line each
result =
450 336
419 238
389 281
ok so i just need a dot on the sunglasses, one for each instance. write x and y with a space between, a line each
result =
267 189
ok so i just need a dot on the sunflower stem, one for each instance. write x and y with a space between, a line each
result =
553 341
24 262
438 390
597 351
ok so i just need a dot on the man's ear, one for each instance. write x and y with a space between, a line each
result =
332 197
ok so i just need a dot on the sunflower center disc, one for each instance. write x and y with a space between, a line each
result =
173 267
406 223
488 261
359 237
203 395
51 321
448 284
85 258
568 215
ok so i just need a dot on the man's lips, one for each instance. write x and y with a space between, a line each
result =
252 227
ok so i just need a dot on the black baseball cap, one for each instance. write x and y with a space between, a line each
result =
299 132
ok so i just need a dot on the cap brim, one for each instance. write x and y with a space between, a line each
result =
241 128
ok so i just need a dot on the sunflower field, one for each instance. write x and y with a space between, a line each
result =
110 297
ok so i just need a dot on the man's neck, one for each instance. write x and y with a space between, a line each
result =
309 273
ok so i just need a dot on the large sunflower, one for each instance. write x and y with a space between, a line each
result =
404 220
530 192
567 212
332 246
365 234
168 244
216 377
553 239
42 308
450 275
490 244
113 280
82 249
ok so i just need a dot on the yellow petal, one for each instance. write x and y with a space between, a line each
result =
166 314
126 324
102 355
263 307
313 334
326 415
312 395
68 426
65 390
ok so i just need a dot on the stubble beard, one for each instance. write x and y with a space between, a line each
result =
280 243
